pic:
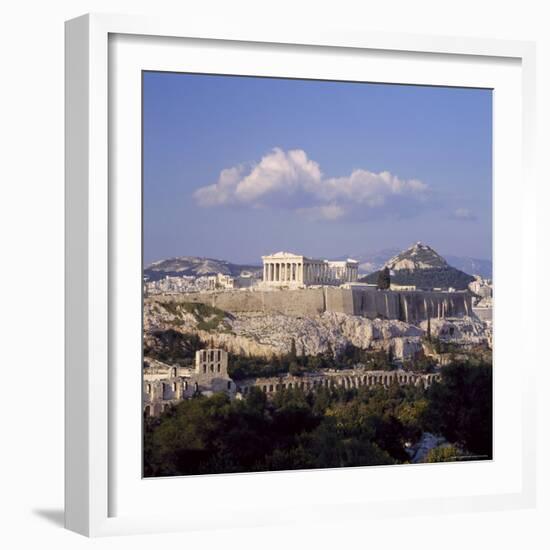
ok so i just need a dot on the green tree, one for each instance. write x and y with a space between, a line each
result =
444 453
384 279
294 369
460 407
292 355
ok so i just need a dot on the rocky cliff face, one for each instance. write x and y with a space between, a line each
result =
468 330
256 334
375 261
418 256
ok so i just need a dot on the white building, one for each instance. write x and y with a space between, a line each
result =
481 287
225 281
285 269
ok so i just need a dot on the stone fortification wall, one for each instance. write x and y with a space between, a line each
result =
408 306
297 302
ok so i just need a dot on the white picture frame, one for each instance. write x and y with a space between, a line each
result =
95 407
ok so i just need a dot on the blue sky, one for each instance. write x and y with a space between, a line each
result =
237 167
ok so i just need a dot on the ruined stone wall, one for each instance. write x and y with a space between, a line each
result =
160 395
408 306
346 379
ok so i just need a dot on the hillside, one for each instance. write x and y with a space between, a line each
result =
194 266
173 330
370 262
421 266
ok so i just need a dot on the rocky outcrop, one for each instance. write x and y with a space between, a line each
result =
418 256
259 335
421 266
469 330
255 334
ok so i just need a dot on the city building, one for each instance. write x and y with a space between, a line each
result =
481 287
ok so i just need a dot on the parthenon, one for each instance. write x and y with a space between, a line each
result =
288 269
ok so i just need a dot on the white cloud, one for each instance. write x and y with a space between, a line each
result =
463 214
289 179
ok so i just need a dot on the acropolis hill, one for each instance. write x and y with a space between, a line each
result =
316 306
293 284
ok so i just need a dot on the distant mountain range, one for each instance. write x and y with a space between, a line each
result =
194 266
421 266
472 266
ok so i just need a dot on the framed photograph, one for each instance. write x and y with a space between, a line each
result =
290 282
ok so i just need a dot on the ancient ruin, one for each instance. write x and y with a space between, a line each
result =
167 386
294 270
